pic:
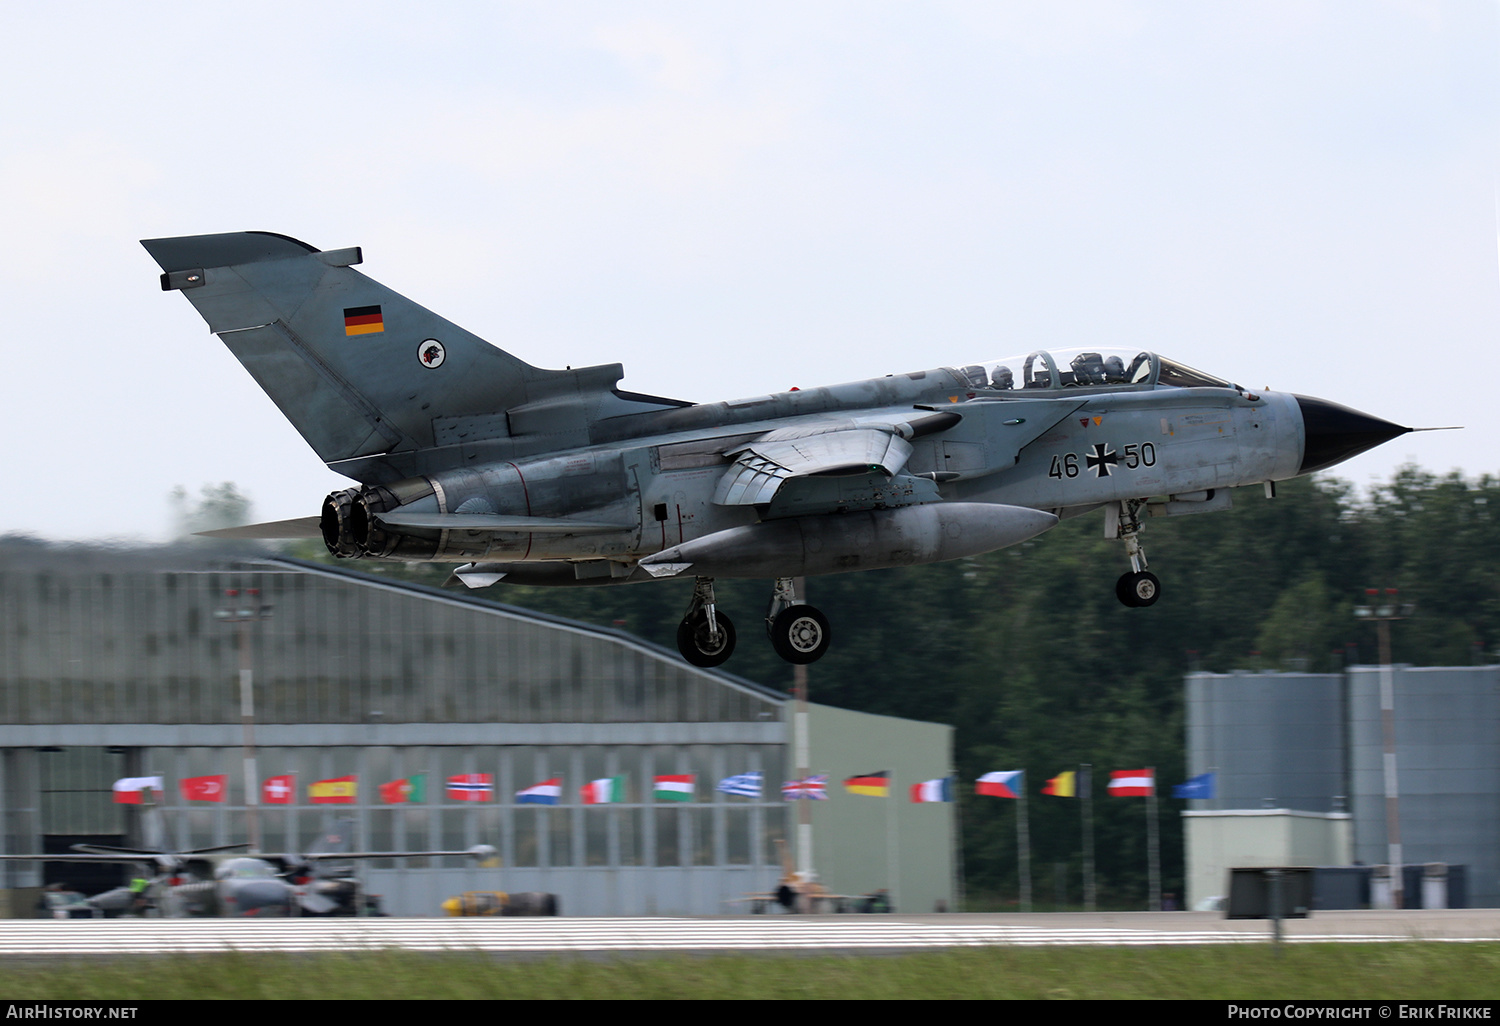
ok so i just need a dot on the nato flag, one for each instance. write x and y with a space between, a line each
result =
1201 786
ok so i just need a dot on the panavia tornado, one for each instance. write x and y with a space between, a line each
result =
464 453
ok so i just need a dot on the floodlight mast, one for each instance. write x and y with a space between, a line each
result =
1381 609
243 610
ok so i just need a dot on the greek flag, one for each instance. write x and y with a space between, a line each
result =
746 785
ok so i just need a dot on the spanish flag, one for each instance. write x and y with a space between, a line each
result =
1064 785
876 785
338 791
363 320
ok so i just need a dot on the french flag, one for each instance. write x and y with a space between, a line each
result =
940 790
546 793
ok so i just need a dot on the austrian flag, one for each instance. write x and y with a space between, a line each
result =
1139 783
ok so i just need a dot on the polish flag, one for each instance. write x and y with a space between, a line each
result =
128 789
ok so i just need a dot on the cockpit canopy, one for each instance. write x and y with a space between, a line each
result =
1074 368
245 869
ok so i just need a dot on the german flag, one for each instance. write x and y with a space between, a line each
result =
363 320
876 785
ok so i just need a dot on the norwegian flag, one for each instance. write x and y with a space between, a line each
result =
471 787
809 787
1139 783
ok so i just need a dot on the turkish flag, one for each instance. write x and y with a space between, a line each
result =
204 789
279 790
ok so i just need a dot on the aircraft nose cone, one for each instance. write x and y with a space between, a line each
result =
1335 433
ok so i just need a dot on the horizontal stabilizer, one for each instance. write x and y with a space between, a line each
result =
496 523
302 527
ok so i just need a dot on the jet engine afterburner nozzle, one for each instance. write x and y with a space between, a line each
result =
334 524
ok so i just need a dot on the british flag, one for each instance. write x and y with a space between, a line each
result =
808 787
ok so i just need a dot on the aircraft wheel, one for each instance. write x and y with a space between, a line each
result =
800 634
701 648
1138 589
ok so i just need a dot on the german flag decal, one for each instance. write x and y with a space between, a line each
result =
363 320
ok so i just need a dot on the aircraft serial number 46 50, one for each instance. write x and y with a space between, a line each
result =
467 454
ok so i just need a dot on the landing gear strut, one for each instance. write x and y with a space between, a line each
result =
1123 521
799 633
706 636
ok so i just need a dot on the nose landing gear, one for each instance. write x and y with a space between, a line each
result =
1140 587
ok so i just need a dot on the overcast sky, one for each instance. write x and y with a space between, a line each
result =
735 198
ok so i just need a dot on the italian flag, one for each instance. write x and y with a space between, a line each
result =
674 788
603 791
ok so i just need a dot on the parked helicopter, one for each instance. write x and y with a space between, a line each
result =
466 454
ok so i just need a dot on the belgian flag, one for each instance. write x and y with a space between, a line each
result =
876 785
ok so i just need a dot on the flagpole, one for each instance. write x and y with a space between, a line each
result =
801 744
1023 847
892 853
1153 845
956 837
1085 773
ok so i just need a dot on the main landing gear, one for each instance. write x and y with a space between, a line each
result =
799 633
1123 521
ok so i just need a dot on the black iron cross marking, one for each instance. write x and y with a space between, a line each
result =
1101 459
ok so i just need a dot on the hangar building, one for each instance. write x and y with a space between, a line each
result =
114 664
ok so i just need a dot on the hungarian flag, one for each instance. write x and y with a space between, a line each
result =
405 792
204 789
1002 784
128 789
280 790
673 788
1064 785
1139 783
471 787
876 785
338 791
548 792
603 791
940 790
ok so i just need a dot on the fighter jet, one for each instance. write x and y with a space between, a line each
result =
226 881
465 454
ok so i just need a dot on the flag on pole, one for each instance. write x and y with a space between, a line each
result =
677 788
1201 786
1139 783
604 791
471 787
939 790
280 790
746 785
1064 785
204 789
548 792
876 785
336 791
1001 784
809 787
407 791
128 789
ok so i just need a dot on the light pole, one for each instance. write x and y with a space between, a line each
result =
244 610
1382 609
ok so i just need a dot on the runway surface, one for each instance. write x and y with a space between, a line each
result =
60 938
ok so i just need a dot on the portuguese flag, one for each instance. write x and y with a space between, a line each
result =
408 791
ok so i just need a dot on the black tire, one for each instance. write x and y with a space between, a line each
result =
697 647
800 634
1138 589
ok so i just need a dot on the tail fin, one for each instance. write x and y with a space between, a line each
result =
360 370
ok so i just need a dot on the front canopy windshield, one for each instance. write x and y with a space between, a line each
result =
1075 368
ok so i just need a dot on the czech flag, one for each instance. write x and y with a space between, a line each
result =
1002 784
